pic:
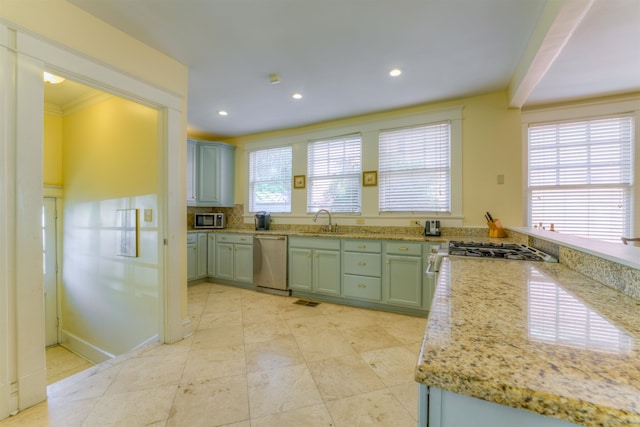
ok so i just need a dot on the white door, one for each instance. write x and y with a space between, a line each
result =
50 260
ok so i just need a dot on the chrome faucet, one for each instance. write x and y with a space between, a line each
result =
315 217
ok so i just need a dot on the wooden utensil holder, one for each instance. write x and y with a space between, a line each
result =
495 229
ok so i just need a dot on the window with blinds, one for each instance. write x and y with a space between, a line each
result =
415 169
580 177
270 180
334 168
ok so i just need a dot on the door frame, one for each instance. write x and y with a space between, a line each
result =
55 193
27 56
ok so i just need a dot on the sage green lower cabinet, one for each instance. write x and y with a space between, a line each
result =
234 257
300 269
243 262
326 271
361 269
192 256
441 408
211 254
196 256
403 275
314 265
202 255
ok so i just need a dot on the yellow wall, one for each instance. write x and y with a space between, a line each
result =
110 150
491 145
110 163
52 168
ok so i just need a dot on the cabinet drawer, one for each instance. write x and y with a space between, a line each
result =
404 248
314 243
362 263
192 238
245 239
362 246
362 287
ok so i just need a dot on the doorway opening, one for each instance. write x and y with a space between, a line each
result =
102 152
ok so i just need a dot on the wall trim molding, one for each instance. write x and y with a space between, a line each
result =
85 349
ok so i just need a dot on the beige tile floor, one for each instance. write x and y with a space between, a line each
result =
61 363
254 360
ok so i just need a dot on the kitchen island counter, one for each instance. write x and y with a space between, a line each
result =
534 336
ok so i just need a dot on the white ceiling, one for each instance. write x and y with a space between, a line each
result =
338 53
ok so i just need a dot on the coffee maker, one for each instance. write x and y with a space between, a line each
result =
261 220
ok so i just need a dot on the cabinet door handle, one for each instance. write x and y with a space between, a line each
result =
309 255
230 249
362 246
223 238
387 262
362 263
362 286
243 239
403 249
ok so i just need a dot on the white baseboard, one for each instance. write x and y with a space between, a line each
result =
81 347
186 327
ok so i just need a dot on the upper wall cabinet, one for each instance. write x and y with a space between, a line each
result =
210 173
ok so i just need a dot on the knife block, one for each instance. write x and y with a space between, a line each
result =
495 229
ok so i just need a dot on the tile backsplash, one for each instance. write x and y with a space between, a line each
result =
235 220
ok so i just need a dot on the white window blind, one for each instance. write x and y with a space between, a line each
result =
580 177
270 180
334 174
415 169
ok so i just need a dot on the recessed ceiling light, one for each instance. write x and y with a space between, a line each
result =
395 72
52 78
222 113
297 96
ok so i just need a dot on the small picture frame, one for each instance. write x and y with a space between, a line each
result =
299 181
370 178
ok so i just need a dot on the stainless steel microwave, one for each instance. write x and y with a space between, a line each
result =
208 220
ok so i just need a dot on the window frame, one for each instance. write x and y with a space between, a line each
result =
354 177
249 182
426 169
590 110
369 128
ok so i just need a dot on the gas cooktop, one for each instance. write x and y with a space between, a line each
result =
498 250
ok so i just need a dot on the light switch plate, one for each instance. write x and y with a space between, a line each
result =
148 215
500 179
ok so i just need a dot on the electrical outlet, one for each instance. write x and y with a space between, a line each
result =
415 222
360 221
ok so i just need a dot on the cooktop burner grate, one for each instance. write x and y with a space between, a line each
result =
498 250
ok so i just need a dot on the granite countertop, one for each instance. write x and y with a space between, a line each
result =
338 235
355 235
535 336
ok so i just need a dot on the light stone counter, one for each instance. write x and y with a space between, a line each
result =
534 336
348 234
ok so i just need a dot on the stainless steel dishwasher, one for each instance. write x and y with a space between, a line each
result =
270 264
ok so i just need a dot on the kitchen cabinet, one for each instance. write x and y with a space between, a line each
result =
211 254
440 408
202 255
192 148
314 265
192 256
210 174
234 257
403 274
196 256
361 269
